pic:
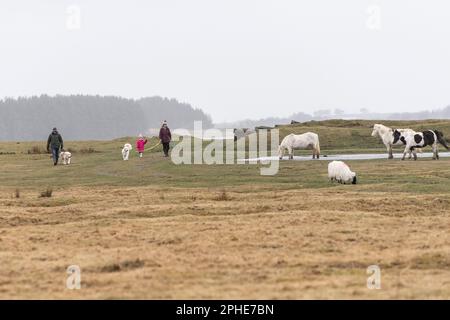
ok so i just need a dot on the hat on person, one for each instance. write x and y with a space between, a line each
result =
164 123
140 135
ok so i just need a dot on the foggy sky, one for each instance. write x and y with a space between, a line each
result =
235 59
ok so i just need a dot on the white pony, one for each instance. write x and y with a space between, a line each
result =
126 151
308 140
66 156
387 136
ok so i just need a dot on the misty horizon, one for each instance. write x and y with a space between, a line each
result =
315 113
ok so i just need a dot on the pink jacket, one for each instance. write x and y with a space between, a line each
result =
140 144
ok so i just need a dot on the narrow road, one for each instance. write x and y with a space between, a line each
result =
359 156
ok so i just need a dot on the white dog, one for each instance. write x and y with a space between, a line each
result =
66 157
126 151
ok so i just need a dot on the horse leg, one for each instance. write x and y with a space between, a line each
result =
389 149
414 153
435 152
317 152
290 151
404 152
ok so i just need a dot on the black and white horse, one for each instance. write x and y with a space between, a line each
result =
415 140
387 136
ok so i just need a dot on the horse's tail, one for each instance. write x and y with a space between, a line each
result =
317 147
441 139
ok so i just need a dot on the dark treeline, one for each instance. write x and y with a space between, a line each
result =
83 117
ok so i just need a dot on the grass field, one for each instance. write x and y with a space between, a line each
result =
147 228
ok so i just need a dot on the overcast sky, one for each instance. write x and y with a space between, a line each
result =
235 59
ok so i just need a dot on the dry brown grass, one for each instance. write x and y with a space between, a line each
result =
37 150
131 242
47 193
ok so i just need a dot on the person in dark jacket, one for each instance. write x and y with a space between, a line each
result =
165 136
54 144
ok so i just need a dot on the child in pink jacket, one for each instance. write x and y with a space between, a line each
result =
140 145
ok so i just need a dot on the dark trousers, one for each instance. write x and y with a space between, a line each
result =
166 147
55 154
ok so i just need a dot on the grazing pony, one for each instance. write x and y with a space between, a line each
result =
420 140
387 136
308 140
126 151
340 172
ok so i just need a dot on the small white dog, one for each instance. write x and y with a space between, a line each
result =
66 157
126 151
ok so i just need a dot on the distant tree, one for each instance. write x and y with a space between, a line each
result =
322 113
178 115
364 110
85 117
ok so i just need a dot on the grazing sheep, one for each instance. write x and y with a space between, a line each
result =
66 156
340 172
126 151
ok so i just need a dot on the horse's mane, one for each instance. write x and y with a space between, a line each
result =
381 128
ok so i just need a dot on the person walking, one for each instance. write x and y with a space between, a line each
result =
140 145
54 144
165 136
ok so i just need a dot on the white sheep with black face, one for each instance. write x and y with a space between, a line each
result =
340 172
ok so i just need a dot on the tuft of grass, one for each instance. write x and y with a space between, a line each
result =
36 150
87 150
122 266
47 193
223 196
17 193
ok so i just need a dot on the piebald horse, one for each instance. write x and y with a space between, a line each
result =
308 140
387 136
420 140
